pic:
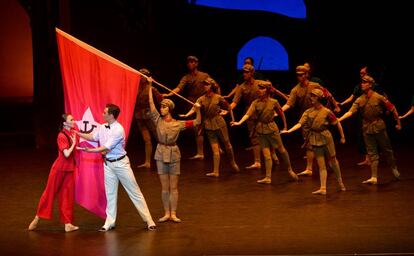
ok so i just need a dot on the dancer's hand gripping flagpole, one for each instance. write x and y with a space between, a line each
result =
150 79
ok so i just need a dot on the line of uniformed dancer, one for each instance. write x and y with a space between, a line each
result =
307 97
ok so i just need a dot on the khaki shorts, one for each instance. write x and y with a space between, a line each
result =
168 168
221 134
327 149
270 140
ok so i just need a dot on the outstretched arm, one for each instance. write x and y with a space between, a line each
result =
244 118
294 128
232 92
345 116
409 112
249 113
86 136
281 94
94 150
189 113
350 98
174 91
89 136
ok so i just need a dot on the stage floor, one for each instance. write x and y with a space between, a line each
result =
229 215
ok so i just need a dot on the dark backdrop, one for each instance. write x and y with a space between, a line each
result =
338 37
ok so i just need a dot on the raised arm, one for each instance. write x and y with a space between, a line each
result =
68 151
151 97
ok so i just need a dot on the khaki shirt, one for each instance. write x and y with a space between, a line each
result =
264 110
300 95
371 109
167 132
315 124
210 109
192 85
248 93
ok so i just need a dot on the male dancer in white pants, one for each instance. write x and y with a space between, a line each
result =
111 137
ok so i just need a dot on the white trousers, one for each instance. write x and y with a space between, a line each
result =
120 171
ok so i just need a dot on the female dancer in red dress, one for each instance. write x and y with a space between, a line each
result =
61 179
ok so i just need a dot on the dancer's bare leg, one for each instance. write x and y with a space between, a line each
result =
148 147
165 196
216 159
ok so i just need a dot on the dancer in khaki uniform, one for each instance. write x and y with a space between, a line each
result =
372 105
355 94
300 95
145 125
192 85
214 124
264 109
167 154
320 138
248 91
256 76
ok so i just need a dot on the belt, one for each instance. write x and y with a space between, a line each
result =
372 120
115 159
317 130
165 144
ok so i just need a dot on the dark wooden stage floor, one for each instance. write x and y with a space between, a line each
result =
229 215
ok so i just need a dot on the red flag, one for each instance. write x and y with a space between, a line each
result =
91 79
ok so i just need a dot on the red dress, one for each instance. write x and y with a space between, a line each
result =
60 183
